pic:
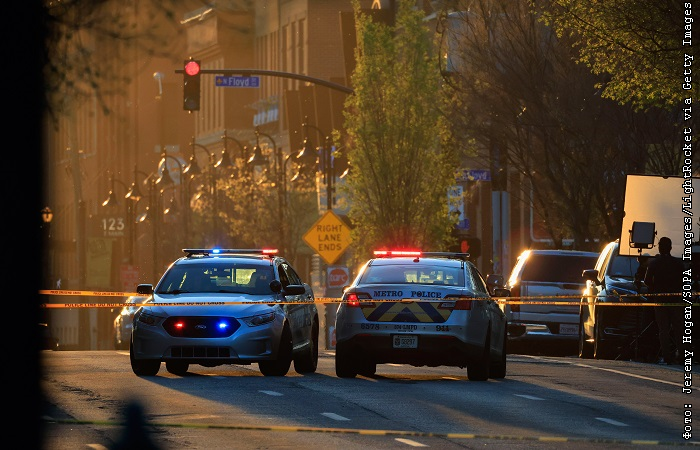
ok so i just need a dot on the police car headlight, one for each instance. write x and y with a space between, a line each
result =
147 319
259 320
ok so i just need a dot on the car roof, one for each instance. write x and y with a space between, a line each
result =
446 261
561 252
209 256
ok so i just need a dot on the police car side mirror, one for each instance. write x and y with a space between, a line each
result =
144 289
275 286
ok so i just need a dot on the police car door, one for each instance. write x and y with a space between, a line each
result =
296 311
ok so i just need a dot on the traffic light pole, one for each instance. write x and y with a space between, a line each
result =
273 73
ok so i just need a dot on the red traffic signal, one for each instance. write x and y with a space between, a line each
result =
190 86
192 67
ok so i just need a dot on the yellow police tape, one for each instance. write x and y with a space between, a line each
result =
524 300
366 432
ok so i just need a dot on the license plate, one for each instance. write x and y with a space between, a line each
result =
405 341
568 328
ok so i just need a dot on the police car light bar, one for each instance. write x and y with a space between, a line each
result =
447 255
397 253
229 251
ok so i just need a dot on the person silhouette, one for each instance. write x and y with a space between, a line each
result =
664 275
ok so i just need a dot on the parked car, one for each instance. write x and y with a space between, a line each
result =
423 309
616 332
124 321
549 285
226 306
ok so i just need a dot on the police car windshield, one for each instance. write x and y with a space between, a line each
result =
221 278
412 274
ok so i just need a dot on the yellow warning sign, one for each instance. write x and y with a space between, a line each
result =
329 236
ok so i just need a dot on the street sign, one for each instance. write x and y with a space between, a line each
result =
238 81
474 175
329 237
337 276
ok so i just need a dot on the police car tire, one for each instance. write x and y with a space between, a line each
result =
143 367
478 369
280 366
344 363
368 368
498 367
177 367
307 362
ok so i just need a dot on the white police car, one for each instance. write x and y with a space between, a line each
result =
423 309
226 306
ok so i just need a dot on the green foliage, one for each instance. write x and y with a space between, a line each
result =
401 165
637 45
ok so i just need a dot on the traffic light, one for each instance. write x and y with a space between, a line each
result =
191 85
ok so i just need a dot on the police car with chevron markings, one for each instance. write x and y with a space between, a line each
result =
423 309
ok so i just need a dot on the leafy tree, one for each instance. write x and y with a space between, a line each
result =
517 88
400 173
637 46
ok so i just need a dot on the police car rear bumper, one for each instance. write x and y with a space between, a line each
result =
432 351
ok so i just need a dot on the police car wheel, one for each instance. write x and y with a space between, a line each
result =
344 363
143 367
177 367
280 366
478 369
367 368
498 366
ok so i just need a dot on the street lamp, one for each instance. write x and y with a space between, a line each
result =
194 169
151 214
112 202
326 161
243 148
46 218
281 179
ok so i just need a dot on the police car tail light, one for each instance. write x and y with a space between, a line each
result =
387 253
355 300
457 303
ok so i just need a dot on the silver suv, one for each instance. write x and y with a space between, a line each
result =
547 282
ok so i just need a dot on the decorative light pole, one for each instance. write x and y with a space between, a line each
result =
193 169
324 156
112 202
47 251
243 148
152 214
280 180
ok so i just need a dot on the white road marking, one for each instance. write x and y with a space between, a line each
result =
619 372
611 422
410 442
334 416
273 393
529 397
97 446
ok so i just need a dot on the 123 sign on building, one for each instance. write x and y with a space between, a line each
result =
109 226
